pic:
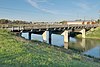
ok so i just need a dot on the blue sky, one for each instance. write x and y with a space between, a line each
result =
49 10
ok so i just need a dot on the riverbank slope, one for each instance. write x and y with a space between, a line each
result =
92 33
18 52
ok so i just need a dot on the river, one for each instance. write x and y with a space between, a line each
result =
89 47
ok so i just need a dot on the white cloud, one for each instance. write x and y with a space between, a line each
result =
35 4
41 0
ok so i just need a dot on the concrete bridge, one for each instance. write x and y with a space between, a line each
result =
43 27
48 29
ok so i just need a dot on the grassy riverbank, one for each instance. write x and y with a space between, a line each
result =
18 52
93 33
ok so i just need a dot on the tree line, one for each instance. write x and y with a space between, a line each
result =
6 21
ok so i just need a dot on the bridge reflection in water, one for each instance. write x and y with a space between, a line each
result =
84 45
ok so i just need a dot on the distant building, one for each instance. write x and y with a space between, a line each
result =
80 22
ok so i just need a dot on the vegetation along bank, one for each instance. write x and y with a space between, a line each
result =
92 33
18 52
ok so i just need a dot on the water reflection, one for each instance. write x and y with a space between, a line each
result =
25 35
95 52
57 40
83 43
89 46
36 37
66 45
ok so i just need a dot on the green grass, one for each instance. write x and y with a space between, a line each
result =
94 33
17 52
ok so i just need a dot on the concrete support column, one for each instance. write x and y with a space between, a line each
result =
19 28
83 33
29 35
23 28
47 36
20 34
12 29
65 34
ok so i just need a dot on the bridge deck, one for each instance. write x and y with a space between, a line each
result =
46 27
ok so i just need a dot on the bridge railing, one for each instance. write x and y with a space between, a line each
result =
44 26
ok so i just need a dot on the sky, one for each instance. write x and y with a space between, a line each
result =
49 10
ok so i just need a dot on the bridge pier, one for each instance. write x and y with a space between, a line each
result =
47 36
65 34
12 29
83 33
20 33
29 35
66 39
